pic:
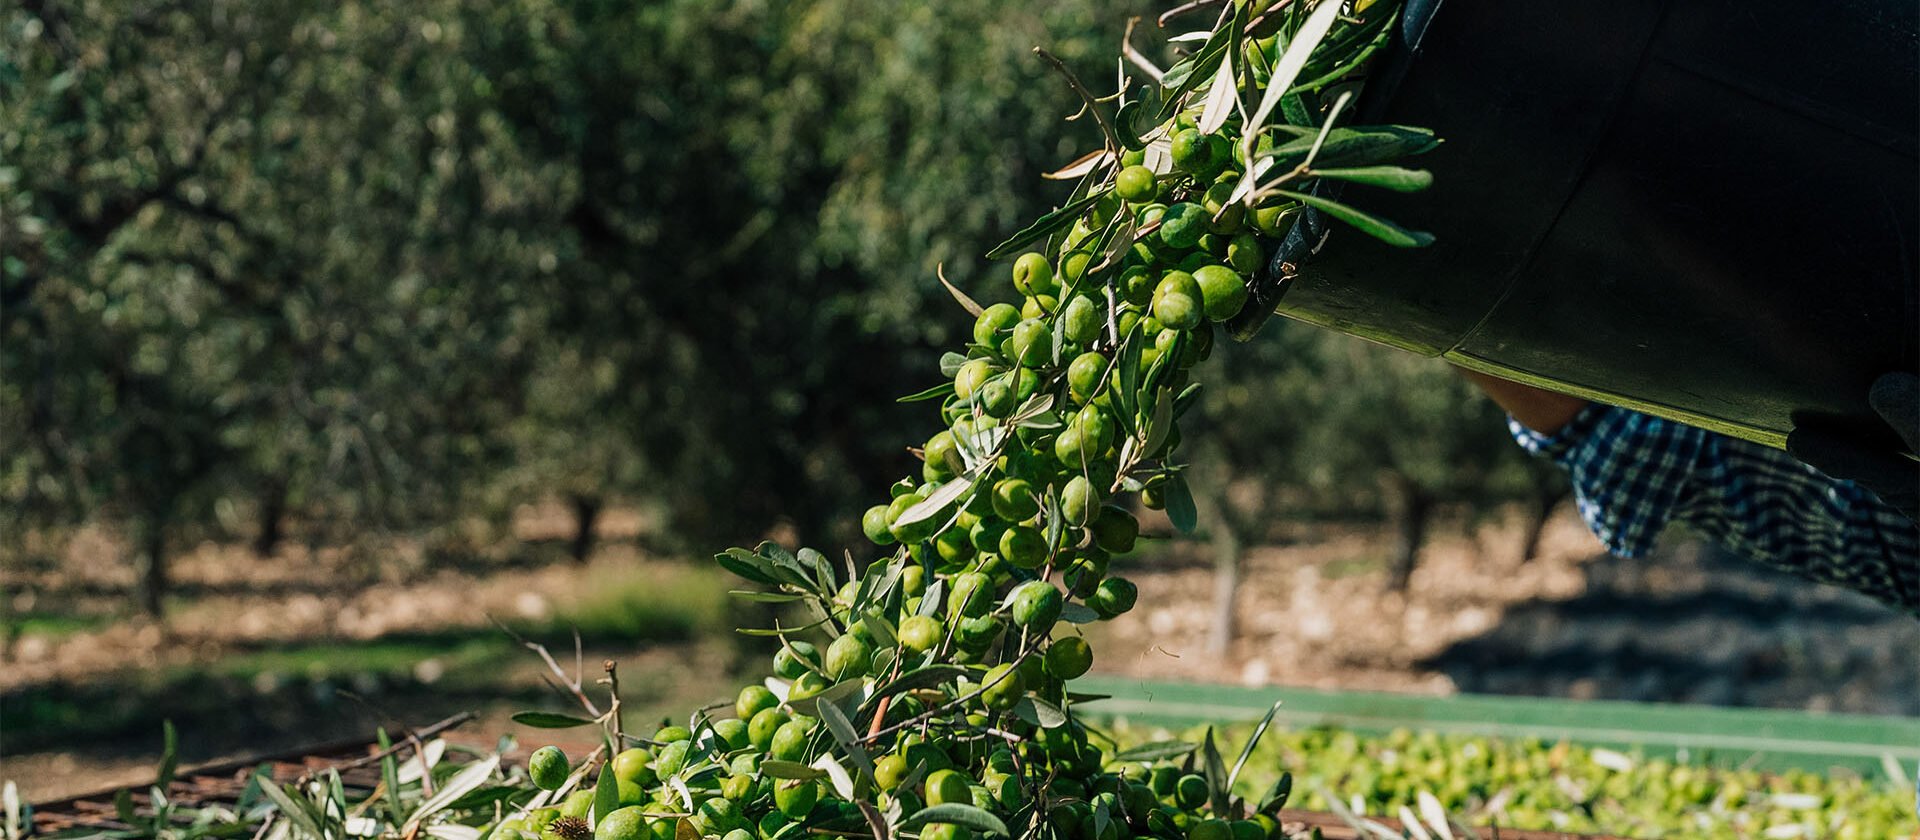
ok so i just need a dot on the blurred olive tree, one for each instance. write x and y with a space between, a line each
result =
358 267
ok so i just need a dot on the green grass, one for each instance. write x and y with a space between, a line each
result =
478 650
57 625
1345 567
667 604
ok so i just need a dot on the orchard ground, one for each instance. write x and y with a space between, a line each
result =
309 646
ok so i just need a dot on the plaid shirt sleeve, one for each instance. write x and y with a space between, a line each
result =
1634 474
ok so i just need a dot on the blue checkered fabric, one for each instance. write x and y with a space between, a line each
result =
1633 475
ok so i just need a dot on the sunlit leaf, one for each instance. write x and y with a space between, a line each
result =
1155 751
954 813
1373 226
549 720
1396 178
1045 225
936 392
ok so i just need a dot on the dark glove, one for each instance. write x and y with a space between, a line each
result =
1893 476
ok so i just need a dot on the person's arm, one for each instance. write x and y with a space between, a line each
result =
1542 411
1633 474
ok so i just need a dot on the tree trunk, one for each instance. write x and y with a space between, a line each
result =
1546 499
273 510
1412 507
151 562
586 511
1225 542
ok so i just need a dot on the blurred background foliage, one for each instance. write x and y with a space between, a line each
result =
339 271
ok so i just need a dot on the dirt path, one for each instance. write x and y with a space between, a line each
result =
1685 625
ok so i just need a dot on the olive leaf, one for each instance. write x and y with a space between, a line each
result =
746 564
931 600
1219 796
1072 613
1396 178
931 676
1041 227
549 720
838 775
462 783
1180 509
1183 77
1293 60
1188 397
389 777
882 630
936 504
967 303
936 392
1253 740
827 697
1276 796
1218 104
298 811
1159 423
169 755
1155 751
1373 226
954 813
1081 165
842 731
1040 713
778 769
1359 146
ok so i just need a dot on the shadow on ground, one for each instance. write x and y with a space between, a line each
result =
1692 624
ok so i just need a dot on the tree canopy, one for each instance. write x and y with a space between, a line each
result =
378 267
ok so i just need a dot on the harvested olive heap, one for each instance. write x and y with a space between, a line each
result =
927 692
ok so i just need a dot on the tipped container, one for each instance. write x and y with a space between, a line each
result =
1709 211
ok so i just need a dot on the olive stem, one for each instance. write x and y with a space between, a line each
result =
951 705
613 691
1106 128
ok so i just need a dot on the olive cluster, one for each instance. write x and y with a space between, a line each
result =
938 706
1059 417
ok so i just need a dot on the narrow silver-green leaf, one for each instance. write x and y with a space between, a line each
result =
936 392
1396 178
746 564
296 812
936 504
1156 751
169 755
1373 226
828 696
778 769
1277 796
549 720
842 731
1078 614
1219 795
462 783
954 813
1046 224
1253 740
606 793
1040 713
838 775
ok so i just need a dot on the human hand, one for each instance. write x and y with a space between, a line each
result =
1893 476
